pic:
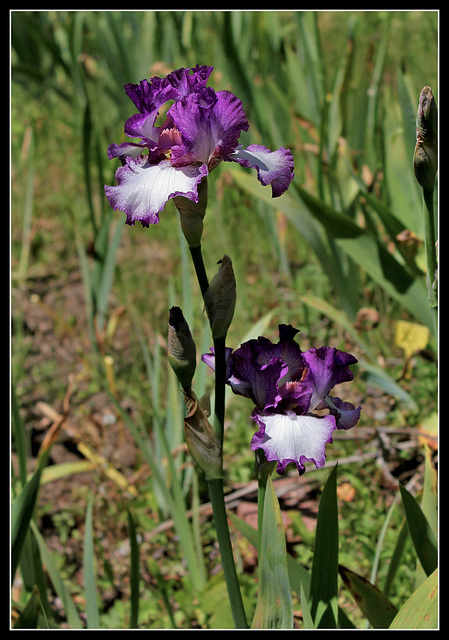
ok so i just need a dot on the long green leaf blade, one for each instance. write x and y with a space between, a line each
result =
29 617
324 578
274 605
134 572
21 514
371 601
57 582
421 532
90 589
421 609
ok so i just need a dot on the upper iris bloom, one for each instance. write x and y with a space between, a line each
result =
202 128
286 386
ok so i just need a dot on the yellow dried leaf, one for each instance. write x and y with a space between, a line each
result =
411 337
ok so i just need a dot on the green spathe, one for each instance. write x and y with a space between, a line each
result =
201 439
220 298
425 162
181 348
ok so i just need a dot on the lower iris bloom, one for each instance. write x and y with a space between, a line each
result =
287 385
202 128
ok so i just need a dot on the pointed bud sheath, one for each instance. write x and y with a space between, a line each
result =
201 439
220 299
425 161
181 348
191 214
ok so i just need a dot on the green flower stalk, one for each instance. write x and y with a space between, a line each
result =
425 165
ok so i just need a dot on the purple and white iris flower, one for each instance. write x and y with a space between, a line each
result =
287 385
202 128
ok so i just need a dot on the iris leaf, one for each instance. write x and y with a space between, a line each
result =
421 609
423 537
274 605
372 602
324 578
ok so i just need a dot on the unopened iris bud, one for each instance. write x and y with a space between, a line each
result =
191 215
425 162
201 439
220 298
181 348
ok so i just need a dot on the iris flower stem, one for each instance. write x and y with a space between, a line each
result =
431 254
217 495
220 386
215 486
227 558
200 269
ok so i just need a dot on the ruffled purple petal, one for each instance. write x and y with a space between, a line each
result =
327 367
150 95
143 189
185 82
262 351
210 124
141 125
259 383
288 437
345 413
273 167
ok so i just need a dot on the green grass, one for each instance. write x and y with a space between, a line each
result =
338 88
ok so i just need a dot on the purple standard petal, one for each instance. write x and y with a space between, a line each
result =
143 188
262 371
150 95
141 125
262 351
273 167
288 437
256 381
327 367
210 124
185 82
288 349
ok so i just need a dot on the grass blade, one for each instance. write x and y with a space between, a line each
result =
174 501
90 589
58 584
134 572
21 515
20 437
